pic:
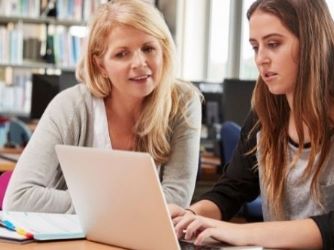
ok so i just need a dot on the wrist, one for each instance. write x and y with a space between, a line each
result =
190 210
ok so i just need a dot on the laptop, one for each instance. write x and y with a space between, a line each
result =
118 198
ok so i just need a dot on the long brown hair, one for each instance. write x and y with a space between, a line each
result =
311 22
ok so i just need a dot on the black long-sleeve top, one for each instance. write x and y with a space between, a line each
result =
239 183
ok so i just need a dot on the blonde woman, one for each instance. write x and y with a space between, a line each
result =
130 100
286 147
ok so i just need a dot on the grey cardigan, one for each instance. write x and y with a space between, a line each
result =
37 183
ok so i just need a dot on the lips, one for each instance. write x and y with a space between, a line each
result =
140 78
269 75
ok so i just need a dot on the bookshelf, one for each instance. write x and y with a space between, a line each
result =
38 36
31 42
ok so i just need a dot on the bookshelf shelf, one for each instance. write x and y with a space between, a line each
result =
37 65
41 20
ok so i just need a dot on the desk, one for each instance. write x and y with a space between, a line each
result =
210 166
63 245
13 153
6 165
58 245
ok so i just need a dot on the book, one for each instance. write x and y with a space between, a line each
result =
22 226
8 235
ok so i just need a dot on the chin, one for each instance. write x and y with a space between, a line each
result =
142 95
277 92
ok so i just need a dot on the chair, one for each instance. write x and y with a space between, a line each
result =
253 210
4 180
18 133
230 135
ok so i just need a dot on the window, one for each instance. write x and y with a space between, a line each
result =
203 41
330 4
248 68
218 40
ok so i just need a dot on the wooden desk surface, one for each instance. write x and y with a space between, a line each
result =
58 245
11 153
65 245
6 165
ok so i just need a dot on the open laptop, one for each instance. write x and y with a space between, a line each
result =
118 198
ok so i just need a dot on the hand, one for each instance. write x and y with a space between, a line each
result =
175 211
208 231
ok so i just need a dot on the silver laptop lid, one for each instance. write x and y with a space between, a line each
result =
118 197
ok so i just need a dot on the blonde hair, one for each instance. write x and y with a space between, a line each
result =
169 99
311 22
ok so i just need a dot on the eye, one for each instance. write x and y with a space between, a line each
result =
255 48
273 45
148 49
121 54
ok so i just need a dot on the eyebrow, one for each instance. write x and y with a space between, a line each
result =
150 42
144 44
266 37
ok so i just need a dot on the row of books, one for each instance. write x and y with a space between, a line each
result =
11 44
66 46
37 43
27 8
15 91
61 9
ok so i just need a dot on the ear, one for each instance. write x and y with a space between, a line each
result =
99 63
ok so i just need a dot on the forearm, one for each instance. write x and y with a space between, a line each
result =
302 234
39 199
37 183
207 208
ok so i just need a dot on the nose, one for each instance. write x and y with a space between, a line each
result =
139 59
261 57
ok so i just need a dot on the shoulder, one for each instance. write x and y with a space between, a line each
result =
188 95
249 131
75 93
73 103
187 105
72 97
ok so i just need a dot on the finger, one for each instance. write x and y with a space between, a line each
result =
183 224
176 220
193 228
197 226
175 210
205 237
210 236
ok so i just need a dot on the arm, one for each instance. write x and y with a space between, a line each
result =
207 208
301 234
325 224
239 182
179 175
37 183
204 207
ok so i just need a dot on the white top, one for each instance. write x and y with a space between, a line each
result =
101 134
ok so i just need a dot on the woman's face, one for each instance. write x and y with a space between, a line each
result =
133 62
276 52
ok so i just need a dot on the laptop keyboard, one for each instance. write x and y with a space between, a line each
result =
190 246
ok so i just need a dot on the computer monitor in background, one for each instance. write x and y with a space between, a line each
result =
67 79
212 106
45 87
237 96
